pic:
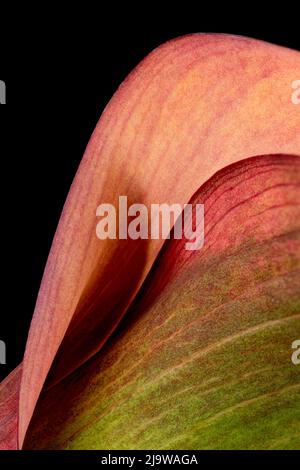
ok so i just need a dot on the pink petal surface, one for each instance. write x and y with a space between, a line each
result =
191 107
203 357
9 407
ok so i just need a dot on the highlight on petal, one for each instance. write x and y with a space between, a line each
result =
202 359
193 106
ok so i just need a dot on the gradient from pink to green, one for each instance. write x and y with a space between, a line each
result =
196 365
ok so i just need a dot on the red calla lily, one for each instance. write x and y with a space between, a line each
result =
194 106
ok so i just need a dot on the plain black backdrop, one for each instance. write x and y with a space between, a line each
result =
59 77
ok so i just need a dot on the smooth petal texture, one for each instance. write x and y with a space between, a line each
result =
203 358
191 107
9 407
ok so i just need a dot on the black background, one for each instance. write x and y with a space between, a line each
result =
59 77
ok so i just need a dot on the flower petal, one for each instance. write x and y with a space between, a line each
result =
9 407
191 107
203 359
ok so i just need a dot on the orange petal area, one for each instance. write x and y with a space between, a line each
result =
193 106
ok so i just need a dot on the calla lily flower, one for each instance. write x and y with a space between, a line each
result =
139 344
